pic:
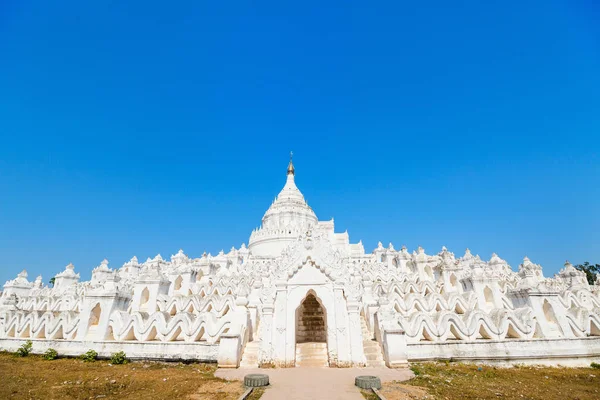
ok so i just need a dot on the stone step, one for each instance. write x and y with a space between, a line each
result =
312 313
317 323
376 364
250 356
313 357
311 331
311 350
311 354
371 347
312 364
316 328
310 338
311 345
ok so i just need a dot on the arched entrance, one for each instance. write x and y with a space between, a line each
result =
311 333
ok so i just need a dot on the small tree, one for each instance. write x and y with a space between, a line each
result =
118 358
590 271
25 349
50 354
52 281
90 356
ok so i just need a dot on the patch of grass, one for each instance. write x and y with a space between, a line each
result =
468 381
71 378
416 369
368 394
595 365
256 393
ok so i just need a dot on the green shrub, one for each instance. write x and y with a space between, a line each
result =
90 356
25 349
595 365
119 358
50 354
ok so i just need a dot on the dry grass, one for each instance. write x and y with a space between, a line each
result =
34 378
397 391
466 381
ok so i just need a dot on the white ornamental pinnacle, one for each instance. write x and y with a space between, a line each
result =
104 265
69 272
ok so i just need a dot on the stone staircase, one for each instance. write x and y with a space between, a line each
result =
311 337
372 348
250 356
311 354
311 322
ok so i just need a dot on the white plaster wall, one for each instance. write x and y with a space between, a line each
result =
573 352
135 350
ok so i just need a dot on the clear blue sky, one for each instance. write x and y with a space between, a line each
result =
139 127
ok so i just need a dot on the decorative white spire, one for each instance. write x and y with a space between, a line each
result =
290 170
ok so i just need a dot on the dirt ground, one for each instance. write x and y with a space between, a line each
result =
34 378
465 381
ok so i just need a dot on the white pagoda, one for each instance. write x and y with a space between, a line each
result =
302 295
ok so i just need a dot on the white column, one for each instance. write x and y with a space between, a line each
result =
357 351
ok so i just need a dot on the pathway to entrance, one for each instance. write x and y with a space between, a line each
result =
315 383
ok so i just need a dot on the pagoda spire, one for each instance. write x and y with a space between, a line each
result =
290 170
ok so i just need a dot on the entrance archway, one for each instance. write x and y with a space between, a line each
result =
310 321
311 333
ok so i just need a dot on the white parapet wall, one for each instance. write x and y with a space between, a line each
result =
162 351
566 352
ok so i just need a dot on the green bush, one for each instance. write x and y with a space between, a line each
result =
90 356
50 354
415 368
119 358
595 365
25 349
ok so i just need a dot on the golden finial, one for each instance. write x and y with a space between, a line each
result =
291 165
